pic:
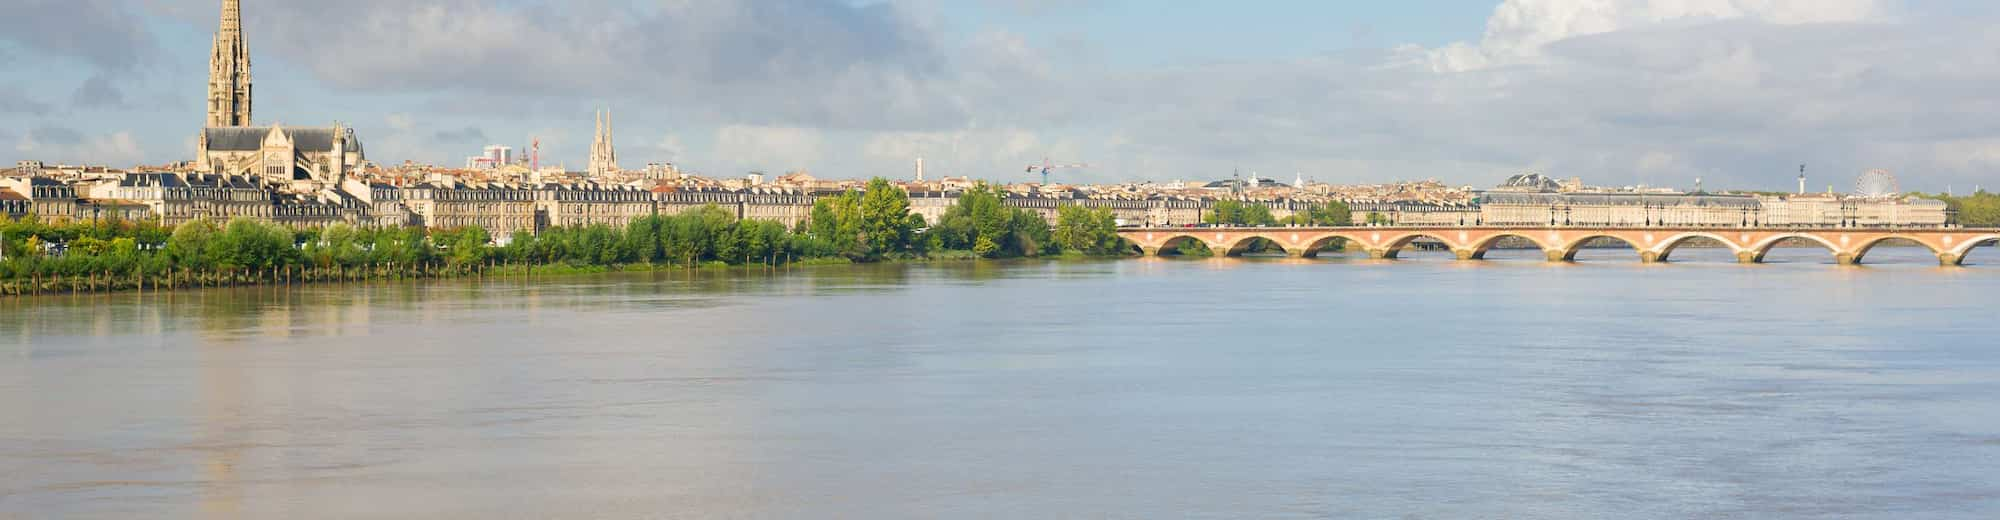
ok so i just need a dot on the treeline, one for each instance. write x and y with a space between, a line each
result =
1981 209
876 224
858 226
1236 213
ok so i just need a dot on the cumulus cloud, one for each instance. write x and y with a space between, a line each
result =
1620 93
1616 91
61 144
1519 29
773 148
974 152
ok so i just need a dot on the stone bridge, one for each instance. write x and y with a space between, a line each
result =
1653 244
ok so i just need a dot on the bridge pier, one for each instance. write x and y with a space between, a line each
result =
1296 253
1653 243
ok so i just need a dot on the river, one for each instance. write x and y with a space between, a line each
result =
1157 388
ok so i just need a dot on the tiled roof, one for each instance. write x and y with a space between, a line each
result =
251 138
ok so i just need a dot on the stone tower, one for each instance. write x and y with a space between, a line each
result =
229 71
603 157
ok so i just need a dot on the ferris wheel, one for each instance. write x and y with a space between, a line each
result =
1876 184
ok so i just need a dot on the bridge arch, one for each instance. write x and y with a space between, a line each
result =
1393 246
1316 244
1570 250
1965 248
1480 248
1668 246
1756 252
1862 251
1174 242
1242 244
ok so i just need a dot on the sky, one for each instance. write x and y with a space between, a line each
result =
1738 93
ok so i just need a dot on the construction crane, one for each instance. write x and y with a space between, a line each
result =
1047 165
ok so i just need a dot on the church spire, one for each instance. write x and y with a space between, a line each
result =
603 157
229 71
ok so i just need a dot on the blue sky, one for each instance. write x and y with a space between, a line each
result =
1619 92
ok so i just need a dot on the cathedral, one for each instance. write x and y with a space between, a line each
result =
305 159
603 157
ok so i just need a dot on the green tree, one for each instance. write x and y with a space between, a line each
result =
1979 210
125 247
837 222
1193 248
1236 213
192 244
1092 231
89 245
249 244
885 214
471 246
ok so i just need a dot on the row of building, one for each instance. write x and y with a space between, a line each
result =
1533 200
174 198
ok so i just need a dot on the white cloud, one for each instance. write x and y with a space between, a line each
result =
770 148
1968 154
62 145
973 153
1520 29
1616 91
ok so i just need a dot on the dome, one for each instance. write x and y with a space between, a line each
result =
1531 182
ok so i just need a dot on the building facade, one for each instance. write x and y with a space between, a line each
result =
591 205
501 210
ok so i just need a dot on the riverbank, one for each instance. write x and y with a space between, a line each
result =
112 282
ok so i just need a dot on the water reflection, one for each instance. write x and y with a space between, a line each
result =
1241 387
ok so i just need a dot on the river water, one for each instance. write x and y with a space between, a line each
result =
1255 388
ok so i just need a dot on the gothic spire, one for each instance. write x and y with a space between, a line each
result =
603 157
229 71
232 17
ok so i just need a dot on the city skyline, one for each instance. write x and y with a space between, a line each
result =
1638 92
